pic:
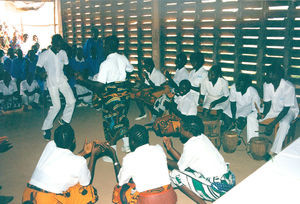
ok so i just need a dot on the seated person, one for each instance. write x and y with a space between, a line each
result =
200 171
61 176
151 77
9 95
30 92
146 166
17 71
214 91
242 110
280 102
8 60
77 64
198 74
181 71
184 103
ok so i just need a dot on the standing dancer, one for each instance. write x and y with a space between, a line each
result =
110 85
51 64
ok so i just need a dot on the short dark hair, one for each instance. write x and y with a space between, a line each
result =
245 78
64 136
138 136
277 69
198 57
56 38
149 61
186 83
216 69
112 42
182 57
193 124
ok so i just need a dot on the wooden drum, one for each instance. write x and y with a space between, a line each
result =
212 131
230 141
258 147
166 125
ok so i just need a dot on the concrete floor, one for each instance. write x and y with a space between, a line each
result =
23 130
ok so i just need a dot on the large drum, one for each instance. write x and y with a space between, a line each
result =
258 147
212 131
166 125
230 141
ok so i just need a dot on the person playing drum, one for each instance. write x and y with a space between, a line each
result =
151 78
184 103
181 71
214 91
200 171
242 110
280 102
143 177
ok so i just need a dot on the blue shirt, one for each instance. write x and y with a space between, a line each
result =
89 44
17 68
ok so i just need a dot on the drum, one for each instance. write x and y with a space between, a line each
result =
230 141
166 125
212 131
258 147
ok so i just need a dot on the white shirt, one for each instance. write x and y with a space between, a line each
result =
147 166
187 104
215 92
156 77
54 65
24 86
244 103
196 77
202 156
58 169
6 91
284 96
114 69
180 75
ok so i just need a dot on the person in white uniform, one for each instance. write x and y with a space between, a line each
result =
53 61
111 86
181 71
242 110
200 171
30 92
146 167
60 175
198 74
150 77
184 103
214 91
9 94
280 102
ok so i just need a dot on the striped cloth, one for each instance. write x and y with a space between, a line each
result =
208 189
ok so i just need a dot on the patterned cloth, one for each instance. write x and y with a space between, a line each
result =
115 107
10 104
208 189
75 195
167 125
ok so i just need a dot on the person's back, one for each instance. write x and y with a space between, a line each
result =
58 169
150 170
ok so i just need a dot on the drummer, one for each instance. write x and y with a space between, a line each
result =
280 103
151 77
242 110
200 171
184 103
214 91
181 71
198 74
